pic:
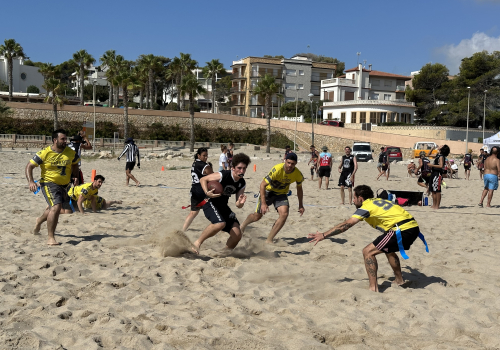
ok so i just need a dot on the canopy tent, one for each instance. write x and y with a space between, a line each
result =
492 141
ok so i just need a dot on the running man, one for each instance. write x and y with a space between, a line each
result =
325 166
313 160
380 159
386 166
347 169
274 190
132 154
424 170
384 216
437 171
77 143
491 173
199 169
86 192
468 163
58 163
216 210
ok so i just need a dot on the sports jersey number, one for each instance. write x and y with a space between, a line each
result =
195 178
384 204
63 170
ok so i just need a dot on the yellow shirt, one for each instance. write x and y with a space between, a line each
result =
55 167
279 182
85 190
383 215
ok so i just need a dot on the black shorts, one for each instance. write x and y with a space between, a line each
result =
423 179
218 214
197 196
345 179
324 171
385 167
435 182
388 242
467 167
275 199
129 166
55 194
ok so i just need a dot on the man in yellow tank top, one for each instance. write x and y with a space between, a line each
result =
386 217
58 164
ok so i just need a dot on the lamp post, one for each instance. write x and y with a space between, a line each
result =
296 116
484 113
467 132
93 92
312 118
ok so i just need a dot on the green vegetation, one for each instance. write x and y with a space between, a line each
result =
10 50
3 86
32 89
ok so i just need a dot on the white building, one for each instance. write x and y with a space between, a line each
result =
22 76
92 74
366 96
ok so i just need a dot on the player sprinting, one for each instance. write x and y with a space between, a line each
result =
216 210
384 216
58 163
133 155
273 190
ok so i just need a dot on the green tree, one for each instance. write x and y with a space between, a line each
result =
124 79
153 65
32 89
82 60
108 59
3 86
10 50
101 92
271 56
4 109
211 70
187 64
191 86
55 90
265 89
173 75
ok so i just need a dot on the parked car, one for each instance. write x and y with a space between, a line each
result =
362 151
395 153
426 147
332 123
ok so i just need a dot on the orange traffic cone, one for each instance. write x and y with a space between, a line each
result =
254 167
162 168
93 175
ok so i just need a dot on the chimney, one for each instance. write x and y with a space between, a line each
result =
370 67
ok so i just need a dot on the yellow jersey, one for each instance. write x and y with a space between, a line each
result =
85 190
55 167
279 182
383 215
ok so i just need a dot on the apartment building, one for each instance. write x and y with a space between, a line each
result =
298 77
367 96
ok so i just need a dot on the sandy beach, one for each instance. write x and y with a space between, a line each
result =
110 285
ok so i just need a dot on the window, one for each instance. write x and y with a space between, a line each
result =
275 72
353 117
301 86
362 117
329 115
23 76
301 99
375 97
327 95
387 97
387 82
291 72
376 82
342 117
301 72
349 96
290 86
289 99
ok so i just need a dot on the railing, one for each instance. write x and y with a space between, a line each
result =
400 88
370 102
238 89
238 76
261 75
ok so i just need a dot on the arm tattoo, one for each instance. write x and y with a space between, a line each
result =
340 228
371 266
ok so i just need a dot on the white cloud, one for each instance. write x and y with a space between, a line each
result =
466 48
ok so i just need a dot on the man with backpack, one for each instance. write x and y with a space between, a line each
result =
425 171
468 163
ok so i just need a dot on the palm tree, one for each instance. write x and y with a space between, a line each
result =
211 70
173 74
82 60
152 64
55 90
124 79
142 78
187 64
265 89
108 59
191 86
10 50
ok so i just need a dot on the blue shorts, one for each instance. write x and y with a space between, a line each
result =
490 182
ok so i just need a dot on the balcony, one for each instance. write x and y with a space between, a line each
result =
262 74
236 89
402 103
341 82
238 76
400 88
236 103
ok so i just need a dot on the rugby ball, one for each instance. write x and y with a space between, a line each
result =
216 186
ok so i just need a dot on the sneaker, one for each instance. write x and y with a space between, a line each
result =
444 184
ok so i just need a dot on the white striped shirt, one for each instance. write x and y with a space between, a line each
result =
132 151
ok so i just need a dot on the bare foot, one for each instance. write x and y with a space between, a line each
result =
196 247
36 230
52 242
138 184
342 203
269 242
118 202
401 283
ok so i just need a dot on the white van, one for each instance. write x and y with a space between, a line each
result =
362 151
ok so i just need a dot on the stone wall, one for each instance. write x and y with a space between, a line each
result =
323 133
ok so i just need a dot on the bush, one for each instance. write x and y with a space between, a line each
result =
32 89
133 105
171 107
279 140
3 86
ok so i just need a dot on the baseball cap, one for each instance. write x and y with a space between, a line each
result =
324 148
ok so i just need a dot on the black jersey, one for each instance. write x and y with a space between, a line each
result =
230 187
197 172
314 155
436 162
347 164
381 157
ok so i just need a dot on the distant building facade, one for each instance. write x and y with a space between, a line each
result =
367 96
22 76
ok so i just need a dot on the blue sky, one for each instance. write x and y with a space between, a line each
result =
395 36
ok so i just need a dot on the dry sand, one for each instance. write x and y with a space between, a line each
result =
110 285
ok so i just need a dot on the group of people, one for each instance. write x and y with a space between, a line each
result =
60 170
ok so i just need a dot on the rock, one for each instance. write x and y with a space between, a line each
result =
370 161
169 156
